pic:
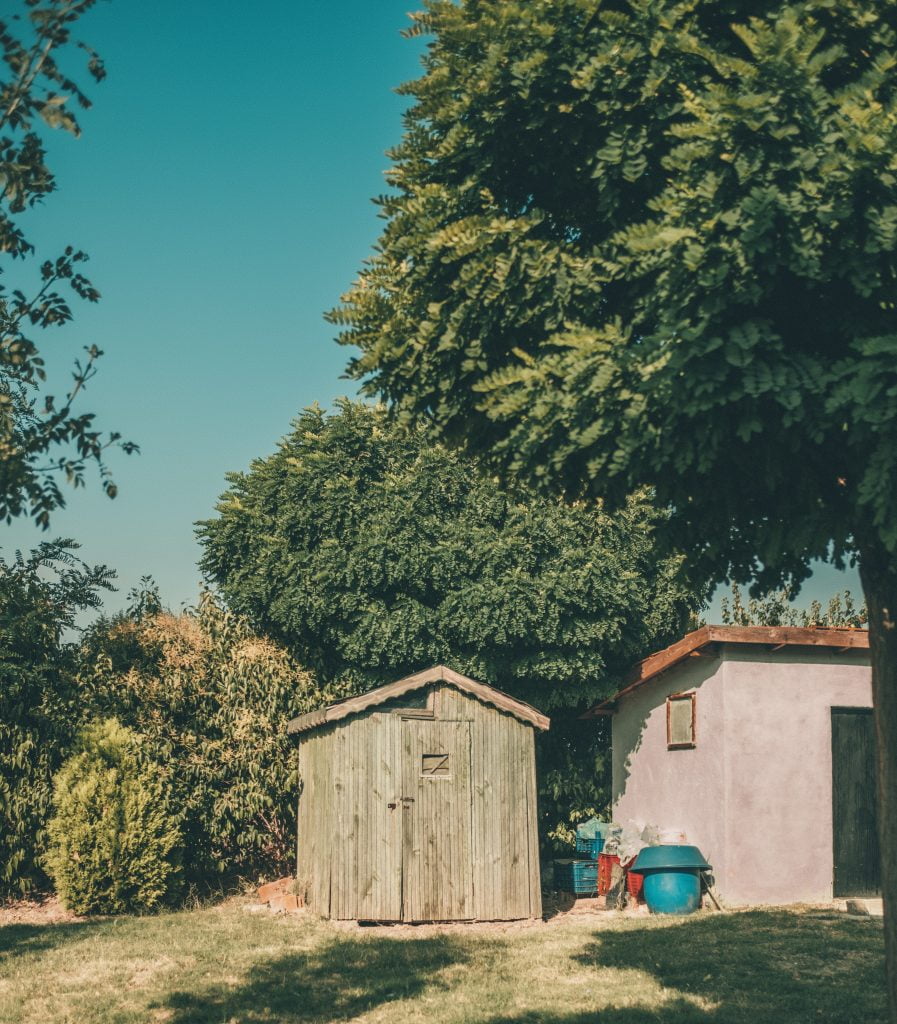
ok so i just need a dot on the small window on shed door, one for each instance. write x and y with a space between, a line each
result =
434 766
680 721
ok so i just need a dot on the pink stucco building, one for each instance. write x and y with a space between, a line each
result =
757 742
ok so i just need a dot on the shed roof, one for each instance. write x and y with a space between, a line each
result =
439 673
772 637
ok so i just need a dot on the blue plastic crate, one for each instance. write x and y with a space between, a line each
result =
590 847
577 876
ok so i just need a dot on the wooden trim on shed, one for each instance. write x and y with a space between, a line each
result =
773 637
439 673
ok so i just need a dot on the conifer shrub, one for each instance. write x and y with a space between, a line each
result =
115 837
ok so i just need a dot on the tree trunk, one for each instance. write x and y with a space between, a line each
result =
878 573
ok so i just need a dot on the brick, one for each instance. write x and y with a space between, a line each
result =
284 903
270 889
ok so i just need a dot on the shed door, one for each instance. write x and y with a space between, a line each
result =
437 877
854 804
375 859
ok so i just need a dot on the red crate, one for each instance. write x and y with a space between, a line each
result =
634 880
606 863
634 884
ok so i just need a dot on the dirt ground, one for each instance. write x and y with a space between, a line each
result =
41 910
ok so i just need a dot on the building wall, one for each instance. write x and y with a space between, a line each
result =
755 793
674 789
779 768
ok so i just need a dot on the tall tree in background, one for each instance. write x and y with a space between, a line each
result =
40 598
652 242
372 553
42 440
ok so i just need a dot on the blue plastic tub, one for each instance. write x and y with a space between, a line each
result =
672 877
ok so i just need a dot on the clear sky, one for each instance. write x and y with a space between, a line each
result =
222 188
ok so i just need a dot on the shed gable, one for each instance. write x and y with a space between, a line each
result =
389 694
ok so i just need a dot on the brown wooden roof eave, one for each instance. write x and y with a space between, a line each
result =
843 639
439 673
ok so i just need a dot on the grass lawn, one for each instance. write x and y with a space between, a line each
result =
224 965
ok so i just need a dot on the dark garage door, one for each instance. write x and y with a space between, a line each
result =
854 804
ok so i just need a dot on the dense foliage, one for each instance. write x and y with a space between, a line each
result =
115 841
373 553
778 609
42 439
211 700
40 597
654 243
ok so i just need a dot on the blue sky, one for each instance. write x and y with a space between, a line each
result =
223 188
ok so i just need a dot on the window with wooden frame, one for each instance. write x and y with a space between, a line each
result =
680 721
435 766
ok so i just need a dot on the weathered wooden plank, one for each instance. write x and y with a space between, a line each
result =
353 852
495 827
379 832
532 828
436 854
799 636
303 823
340 896
318 868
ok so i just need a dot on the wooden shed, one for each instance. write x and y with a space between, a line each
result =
418 803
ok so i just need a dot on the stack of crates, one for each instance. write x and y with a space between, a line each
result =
576 876
579 875
589 848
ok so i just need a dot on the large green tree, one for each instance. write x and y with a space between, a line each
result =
655 242
44 440
373 553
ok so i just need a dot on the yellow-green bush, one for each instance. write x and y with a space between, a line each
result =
115 838
212 700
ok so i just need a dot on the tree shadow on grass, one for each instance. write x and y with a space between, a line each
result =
21 939
340 980
675 1011
761 967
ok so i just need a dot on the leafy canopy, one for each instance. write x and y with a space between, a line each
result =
42 439
655 242
776 609
372 553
